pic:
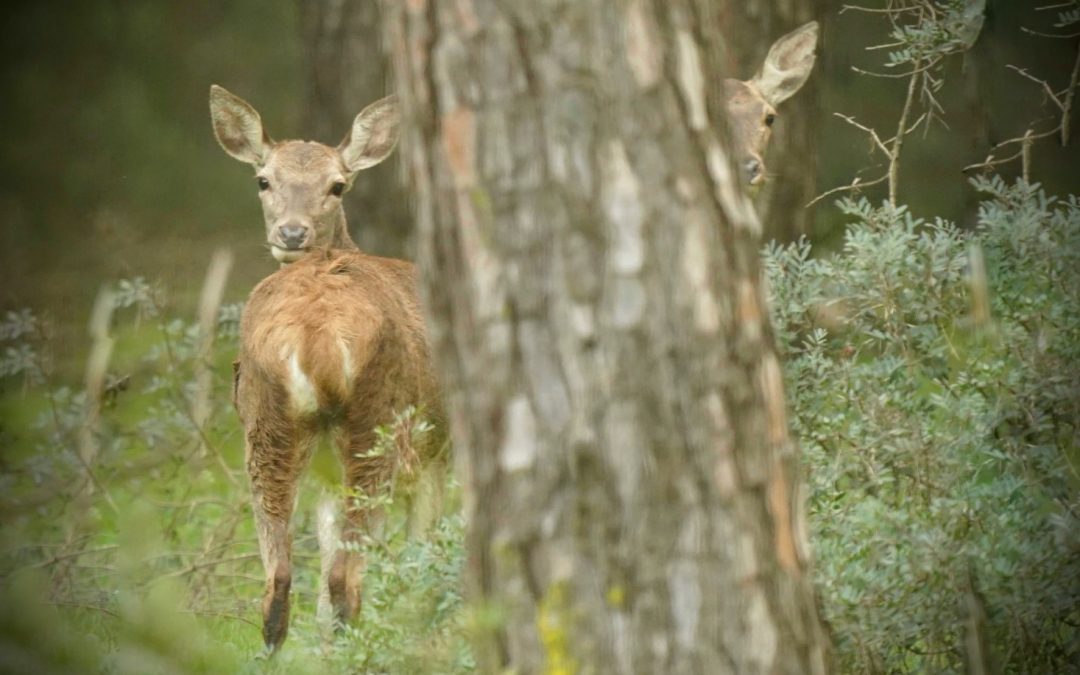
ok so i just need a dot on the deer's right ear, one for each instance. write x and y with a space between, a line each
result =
373 135
237 127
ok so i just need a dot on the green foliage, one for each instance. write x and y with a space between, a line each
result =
1068 14
411 616
940 28
941 450
141 557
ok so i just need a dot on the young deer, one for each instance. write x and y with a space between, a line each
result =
333 342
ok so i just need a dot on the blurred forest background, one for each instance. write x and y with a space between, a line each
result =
110 168
939 434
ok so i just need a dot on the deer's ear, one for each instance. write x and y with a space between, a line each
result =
237 127
373 135
788 64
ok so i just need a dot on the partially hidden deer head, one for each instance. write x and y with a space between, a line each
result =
751 104
301 182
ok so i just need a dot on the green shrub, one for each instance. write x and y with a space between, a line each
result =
143 558
937 408
941 448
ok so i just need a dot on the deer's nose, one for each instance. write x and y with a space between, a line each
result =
755 172
292 235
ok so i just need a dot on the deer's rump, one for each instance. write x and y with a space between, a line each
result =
333 330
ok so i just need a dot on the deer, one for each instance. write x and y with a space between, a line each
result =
333 343
751 104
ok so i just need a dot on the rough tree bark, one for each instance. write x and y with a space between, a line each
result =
592 279
347 68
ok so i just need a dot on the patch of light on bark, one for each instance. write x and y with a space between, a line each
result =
496 161
486 272
691 79
772 385
518 450
622 205
745 557
724 471
622 438
620 631
629 303
641 51
568 124
695 259
544 374
761 634
684 584
659 648
749 311
581 321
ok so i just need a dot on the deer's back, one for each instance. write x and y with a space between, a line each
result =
335 330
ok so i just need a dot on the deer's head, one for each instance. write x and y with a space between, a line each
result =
301 183
751 104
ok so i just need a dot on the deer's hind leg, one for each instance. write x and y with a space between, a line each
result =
366 478
275 457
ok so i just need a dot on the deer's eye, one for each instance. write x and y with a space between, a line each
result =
769 119
337 189
263 183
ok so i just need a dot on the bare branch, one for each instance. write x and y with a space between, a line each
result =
1045 85
854 186
873 134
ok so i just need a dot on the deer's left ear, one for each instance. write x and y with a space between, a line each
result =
788 64
373 135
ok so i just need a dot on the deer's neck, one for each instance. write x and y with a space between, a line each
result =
341 238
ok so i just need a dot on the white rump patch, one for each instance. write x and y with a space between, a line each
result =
301 390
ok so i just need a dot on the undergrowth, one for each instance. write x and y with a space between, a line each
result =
935 380
127 543
933 375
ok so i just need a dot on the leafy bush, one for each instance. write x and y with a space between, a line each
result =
941 447
937 405
127 544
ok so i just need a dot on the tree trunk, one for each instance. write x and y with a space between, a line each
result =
592 280
347 69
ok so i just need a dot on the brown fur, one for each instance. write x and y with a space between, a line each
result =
750 119
310 310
